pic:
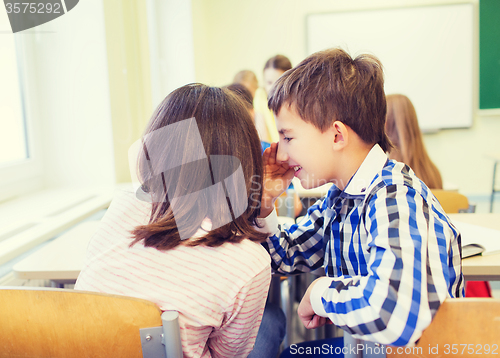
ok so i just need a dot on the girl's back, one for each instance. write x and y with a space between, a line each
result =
208 286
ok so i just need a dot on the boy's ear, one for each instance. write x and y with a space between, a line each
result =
340 134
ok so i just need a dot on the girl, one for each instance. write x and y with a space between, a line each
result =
402 128
273 69
187 239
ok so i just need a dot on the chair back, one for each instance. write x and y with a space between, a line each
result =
462 327
452 202
44 322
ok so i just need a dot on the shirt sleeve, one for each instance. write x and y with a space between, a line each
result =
395 302
299 248
237 334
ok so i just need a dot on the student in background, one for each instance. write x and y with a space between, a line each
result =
246 97
248 79
273 69
402 128
403 131
184 255
390 254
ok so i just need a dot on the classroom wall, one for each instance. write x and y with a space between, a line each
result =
171 51
233 35
461 154
128 63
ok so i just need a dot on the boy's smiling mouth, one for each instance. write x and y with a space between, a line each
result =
297 169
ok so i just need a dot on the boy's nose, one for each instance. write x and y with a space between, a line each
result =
281 155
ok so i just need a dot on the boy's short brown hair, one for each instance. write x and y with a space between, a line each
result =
330 86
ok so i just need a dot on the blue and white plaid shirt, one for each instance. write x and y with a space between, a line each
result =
390 253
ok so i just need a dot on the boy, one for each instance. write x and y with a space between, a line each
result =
390 254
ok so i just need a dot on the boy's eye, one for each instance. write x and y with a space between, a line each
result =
287 139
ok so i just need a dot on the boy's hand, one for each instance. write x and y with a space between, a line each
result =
306 313
277 177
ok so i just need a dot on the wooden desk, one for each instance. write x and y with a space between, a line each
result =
60 260
480 268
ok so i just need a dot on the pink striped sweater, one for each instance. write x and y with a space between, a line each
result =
219 292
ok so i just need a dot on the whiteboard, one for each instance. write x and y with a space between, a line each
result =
427 53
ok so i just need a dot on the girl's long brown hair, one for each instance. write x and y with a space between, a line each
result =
404 132
226 129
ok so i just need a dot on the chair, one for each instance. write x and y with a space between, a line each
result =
58 323
451 201
461 327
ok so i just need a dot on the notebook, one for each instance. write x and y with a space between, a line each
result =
478 239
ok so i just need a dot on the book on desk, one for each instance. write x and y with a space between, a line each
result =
478 239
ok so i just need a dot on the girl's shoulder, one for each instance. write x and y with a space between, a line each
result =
244 253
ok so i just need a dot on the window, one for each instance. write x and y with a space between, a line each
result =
13 144
19 171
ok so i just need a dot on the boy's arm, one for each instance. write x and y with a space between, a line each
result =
299 248
396 301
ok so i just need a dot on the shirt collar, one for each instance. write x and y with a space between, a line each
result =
371 166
